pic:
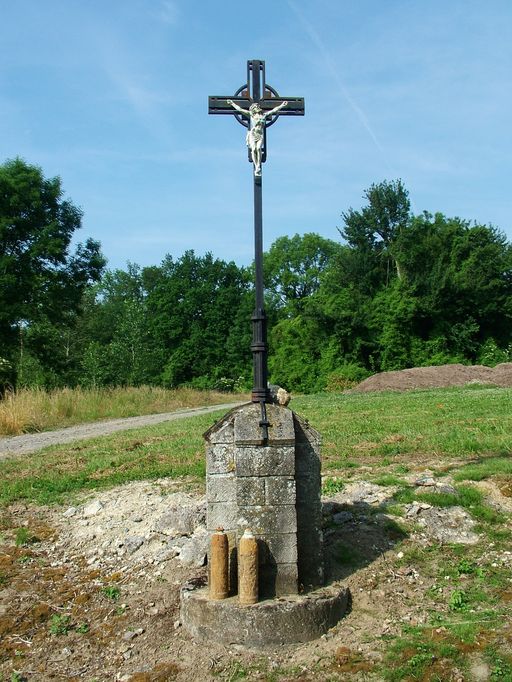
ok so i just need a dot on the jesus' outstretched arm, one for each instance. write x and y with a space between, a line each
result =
235 106
276 109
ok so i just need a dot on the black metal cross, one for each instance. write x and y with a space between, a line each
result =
257 91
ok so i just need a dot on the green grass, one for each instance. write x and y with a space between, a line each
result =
388 480
173 449
331 486
468 429
485 468
455 422
356 428
464 616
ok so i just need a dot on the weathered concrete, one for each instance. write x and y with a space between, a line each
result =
308 482
267 624
271 487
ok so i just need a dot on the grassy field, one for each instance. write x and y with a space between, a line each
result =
33 410
469 425
383 438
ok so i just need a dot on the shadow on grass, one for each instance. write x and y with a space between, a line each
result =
482 467
355 535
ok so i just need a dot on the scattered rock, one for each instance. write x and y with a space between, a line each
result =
362 492
480 671
451 524
131 634
342 517
445 488
132 543
425 481
193 552
70 512
279 395
93 508
414 509
181 520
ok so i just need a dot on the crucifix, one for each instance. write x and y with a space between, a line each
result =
256 105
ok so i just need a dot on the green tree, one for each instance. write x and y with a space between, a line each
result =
41 280
373 232
198 306
294 267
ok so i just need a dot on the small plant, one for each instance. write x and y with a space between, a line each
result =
458 600
111 592
466 567
331 486
24 537
60 624
17 677
82 628
500 669
237 672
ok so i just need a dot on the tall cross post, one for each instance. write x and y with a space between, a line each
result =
256 105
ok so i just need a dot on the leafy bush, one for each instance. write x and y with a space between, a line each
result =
7 375
345 377
491 355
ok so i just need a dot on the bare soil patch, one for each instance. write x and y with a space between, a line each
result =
94 594
437 377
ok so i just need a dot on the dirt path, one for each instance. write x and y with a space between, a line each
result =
31 442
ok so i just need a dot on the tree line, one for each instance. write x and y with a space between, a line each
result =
397 290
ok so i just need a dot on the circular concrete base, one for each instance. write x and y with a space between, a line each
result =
285 620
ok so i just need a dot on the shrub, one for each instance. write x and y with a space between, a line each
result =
346 376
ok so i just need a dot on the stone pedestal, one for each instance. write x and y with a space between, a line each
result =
268 624
271 487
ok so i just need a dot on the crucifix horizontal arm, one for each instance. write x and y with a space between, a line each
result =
219 105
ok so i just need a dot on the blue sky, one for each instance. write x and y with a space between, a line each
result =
112 96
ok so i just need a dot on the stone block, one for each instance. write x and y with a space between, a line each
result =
220 459
278 549
250 491
223 431
310 553
265 461
277 580
307 460
281 430
287 581
248 430
279 490
305 433
309 486
221 488
221 515
268 519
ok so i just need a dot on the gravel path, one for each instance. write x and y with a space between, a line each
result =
31 442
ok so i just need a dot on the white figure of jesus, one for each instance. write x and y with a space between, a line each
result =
254 137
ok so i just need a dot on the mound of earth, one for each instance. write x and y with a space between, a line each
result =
438 377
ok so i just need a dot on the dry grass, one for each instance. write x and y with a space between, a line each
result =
32 410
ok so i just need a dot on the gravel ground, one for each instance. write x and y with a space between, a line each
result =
31 442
